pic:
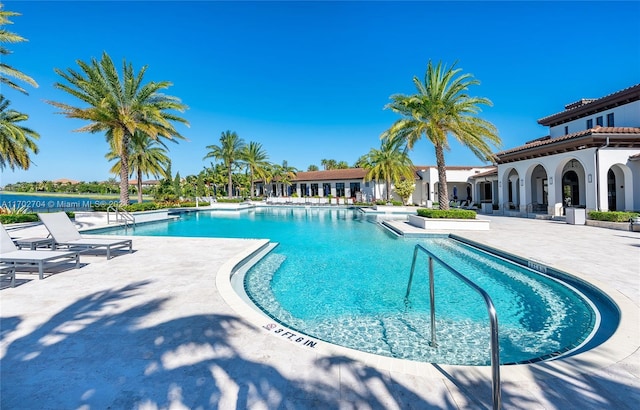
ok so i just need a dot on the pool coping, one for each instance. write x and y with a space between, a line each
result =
622 344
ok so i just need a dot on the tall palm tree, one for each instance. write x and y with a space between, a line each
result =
255 157
120 106
147 157
6 70
441 107
229 152
390 163
15 140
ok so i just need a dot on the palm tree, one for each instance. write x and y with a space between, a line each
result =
328 164
120 107
284 174
229 152
312 167
256 160
390 163
441 107
147 157
15 140
5 69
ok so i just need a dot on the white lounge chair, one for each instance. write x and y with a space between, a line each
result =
45 259
65 234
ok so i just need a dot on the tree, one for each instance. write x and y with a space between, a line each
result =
177 185
120 107
284 173
441 107
361 162
256 160
312 168
147 157
390 163
229 152
328 164
404 189
16 140
6 70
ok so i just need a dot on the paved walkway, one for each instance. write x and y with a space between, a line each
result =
160 328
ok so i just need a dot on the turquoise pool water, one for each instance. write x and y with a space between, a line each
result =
340 277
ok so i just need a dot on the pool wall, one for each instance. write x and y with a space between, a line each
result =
607 308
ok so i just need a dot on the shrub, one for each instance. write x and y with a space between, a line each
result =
449 214
612 216
18 218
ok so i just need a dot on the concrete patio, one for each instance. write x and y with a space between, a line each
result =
161 328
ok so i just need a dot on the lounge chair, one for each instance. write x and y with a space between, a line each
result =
11 255
10 271
65 234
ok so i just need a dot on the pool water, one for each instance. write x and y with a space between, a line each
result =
338 276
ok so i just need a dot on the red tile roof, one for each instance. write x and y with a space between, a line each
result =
491 172
348 173
632 131
592 106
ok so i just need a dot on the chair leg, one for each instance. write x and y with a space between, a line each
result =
41 270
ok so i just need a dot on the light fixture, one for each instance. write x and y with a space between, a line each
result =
550 180
589 178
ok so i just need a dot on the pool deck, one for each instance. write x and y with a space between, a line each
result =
161 328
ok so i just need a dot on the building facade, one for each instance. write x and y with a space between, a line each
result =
351 183
590 159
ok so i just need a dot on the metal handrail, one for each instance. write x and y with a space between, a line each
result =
121 215
493 316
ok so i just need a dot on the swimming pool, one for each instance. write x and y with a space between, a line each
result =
339 277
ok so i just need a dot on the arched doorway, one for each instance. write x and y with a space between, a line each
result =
538 190
611 190
617 191
570 189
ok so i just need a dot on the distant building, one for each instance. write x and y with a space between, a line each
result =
350 183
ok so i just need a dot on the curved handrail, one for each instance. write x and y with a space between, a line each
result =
493 316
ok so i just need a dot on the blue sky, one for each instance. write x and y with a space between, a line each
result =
309 80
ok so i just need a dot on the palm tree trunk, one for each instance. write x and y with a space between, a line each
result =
443 193
251 194
388 189
230 185
124 171
139 186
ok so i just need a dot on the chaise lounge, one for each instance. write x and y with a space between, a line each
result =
45 259
65 234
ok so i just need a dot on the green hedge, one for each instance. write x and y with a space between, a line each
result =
448 214
18 218
612 216
21 218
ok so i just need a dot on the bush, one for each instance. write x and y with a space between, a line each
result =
449 214
612 216
18 218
